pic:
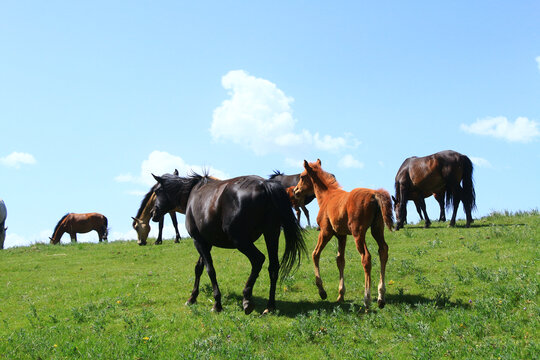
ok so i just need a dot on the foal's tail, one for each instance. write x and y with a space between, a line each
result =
294 237
469 195
385 204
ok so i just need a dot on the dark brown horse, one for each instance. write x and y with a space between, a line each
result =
291 180
80 223
233 214
141 221
343 213
420 177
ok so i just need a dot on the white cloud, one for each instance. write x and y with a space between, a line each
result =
538 61
522 130
349 162
15 159
295 163
161 162
258 116
480 162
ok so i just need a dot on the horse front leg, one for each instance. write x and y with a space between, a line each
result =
457 198
159 240
73 237
324 237
422 203
204 252
199 266
175 224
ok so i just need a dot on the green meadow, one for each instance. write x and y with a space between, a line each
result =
453 293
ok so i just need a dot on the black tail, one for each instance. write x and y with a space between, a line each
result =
469 195
294 236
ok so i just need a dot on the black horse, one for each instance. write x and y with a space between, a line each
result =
233 214
446 171
292 180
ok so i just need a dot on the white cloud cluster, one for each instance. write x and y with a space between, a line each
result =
522 130
349 162
258 116
161 162
16 159
480 162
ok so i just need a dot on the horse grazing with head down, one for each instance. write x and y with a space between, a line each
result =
141 221
80 223
3 229
342 213
233 214
444 172
300 202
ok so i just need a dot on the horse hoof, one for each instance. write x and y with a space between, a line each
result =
142 244
381 303
217 308
158 243
268 311
248 307
190 302
323 294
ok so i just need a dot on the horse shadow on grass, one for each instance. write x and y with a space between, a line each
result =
292 309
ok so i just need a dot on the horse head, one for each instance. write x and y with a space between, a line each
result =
163 203
142 229
305 184
400 218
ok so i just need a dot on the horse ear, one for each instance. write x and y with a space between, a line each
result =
175 172
319 162
307 167
158 178
394 199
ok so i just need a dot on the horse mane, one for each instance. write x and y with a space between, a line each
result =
327 179
60 222
276 173
181 187
145 200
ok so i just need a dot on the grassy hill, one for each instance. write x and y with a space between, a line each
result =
455 293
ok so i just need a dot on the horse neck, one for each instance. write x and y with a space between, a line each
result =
321 186
59 231
146 213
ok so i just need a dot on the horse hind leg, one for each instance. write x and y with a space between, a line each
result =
256 258
306 212
204 252
340 260
360 240
377 231
456 200
272 243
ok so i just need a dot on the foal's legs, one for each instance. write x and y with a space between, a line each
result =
73 237
324 236
256 258
175 224
340 260
377 231
360 239
198 272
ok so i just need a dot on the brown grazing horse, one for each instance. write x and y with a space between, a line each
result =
80 223
141 221
446 171
292 180
342 213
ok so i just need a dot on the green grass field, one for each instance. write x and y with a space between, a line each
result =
451 293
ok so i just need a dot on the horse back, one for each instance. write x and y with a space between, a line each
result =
83 223
218 210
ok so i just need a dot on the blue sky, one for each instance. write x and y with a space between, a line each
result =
96 95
